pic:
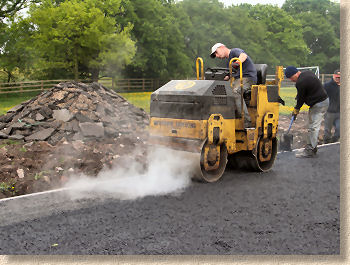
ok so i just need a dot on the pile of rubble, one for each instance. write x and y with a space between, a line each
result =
73 111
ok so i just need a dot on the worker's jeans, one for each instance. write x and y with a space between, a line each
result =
316 115
247 83
330 120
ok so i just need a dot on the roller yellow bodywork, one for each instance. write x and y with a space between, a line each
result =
216 134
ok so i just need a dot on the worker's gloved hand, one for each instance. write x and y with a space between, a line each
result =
295 113
235 64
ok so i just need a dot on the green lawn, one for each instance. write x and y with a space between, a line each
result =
142 99
7 101
288 94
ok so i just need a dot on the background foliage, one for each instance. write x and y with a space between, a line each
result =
55 39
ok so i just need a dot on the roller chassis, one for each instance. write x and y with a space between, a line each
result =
221 140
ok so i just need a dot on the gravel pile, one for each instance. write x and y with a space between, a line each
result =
73 111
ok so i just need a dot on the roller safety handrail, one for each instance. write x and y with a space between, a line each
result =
199 59
241 80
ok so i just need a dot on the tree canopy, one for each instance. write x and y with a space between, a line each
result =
161 38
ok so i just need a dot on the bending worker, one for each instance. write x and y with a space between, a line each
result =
332 117
219 50
311 92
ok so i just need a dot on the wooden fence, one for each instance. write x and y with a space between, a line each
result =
29 86
120 85
133 84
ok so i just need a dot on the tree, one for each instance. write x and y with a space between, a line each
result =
78 38
9 7
321 30
284 43
160 42
235 26
14 53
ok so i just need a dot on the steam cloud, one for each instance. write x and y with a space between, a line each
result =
168 172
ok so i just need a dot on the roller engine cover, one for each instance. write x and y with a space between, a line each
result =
194 100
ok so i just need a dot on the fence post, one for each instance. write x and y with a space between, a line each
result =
128 84
42 85
113 83
143 84
322 78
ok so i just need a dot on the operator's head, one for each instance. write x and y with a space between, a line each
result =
219 50
292 73
336 77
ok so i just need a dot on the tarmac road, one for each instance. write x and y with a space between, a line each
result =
293 209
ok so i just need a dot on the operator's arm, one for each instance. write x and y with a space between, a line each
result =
243 56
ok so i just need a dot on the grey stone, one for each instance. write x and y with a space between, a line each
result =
62 115
41 135
16 137
107 119
39 117
7 130
3 135
46 111
111 130
92 129
100 110
7 117
77 137
18 125
16 108
29 121
75 125
82 118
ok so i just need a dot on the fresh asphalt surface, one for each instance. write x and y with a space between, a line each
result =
293 209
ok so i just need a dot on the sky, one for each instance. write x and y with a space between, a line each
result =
253 2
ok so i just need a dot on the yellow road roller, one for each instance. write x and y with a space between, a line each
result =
204 120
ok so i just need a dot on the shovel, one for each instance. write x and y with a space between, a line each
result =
286 140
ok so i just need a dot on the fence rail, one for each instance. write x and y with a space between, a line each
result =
121 85
29 86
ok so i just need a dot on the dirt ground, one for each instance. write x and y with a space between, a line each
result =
38 166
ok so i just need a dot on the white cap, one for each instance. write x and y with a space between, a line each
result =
214 48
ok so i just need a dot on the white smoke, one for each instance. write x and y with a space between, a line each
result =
168 172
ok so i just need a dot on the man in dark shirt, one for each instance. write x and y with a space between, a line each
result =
311 92
249 74
332 117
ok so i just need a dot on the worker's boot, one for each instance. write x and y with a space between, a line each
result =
307 152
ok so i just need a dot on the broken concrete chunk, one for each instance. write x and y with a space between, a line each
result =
46 111
7 117
18 125
82 118
62 115
16 137
39 117
3 135
59 95
41 135
92 129
20 173
16 108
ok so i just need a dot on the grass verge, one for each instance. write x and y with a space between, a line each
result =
142 100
